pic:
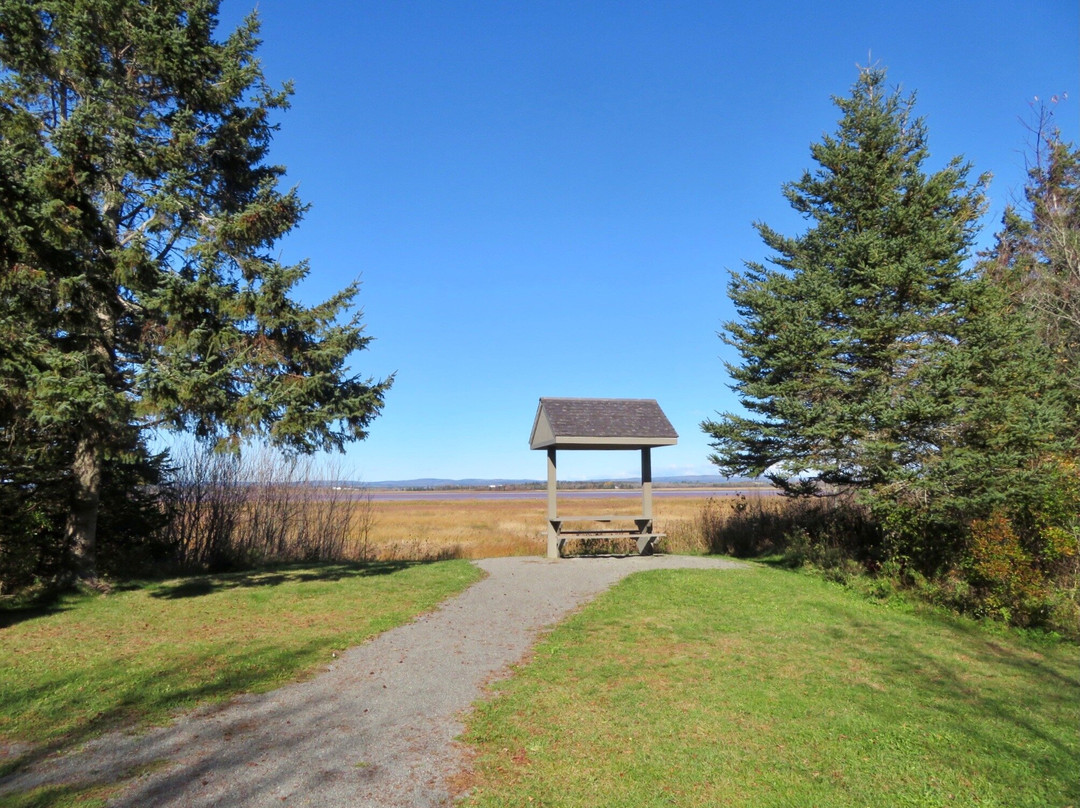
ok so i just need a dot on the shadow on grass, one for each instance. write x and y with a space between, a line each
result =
301 573
55 601
166 754
15 612
956 676
162 692
171 693
61 796
62 771
48 797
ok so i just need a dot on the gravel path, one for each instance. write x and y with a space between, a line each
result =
375 729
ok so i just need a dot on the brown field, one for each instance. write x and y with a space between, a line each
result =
432 529
265 508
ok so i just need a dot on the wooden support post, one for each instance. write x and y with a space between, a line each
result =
646 525
552 506
646 485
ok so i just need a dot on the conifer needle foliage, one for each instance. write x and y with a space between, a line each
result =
879 360
138 218
840 339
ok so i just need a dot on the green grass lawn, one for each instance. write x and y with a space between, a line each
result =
93 662
772 688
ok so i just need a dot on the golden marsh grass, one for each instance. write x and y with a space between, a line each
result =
483 528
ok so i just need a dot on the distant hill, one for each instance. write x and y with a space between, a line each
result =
438 483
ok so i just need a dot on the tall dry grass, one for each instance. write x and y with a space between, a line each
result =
452 528
227 511
824 531
230 512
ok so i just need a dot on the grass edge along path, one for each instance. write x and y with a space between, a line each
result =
774 688
138 656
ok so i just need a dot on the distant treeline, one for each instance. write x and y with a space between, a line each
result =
579 485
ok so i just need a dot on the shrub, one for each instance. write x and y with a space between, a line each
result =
230 512
1006 576
1021 567
820 530
741 527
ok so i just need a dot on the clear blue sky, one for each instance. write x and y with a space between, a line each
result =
545 198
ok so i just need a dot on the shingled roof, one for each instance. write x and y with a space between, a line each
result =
601 423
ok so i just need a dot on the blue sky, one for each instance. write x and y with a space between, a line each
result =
545 198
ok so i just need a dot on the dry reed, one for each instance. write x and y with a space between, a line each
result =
483 528
232 512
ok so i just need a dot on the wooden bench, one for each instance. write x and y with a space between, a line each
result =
642 532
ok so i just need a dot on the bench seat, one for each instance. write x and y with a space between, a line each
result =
642 533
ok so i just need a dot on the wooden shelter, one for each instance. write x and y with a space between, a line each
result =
600 424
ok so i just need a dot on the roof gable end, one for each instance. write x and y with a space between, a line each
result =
601 423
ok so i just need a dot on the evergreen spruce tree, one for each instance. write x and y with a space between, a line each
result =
1020 441
1000 447
843 340
1037 256
138 215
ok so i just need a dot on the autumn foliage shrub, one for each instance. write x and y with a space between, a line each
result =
1017 564
1005 575
1023 563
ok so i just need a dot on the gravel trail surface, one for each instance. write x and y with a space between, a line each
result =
376 728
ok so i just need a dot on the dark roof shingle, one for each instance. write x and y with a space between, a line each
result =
595 423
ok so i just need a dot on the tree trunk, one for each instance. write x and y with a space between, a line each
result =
81 528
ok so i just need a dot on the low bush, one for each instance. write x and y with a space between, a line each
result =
1022 568
822 531
228 512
